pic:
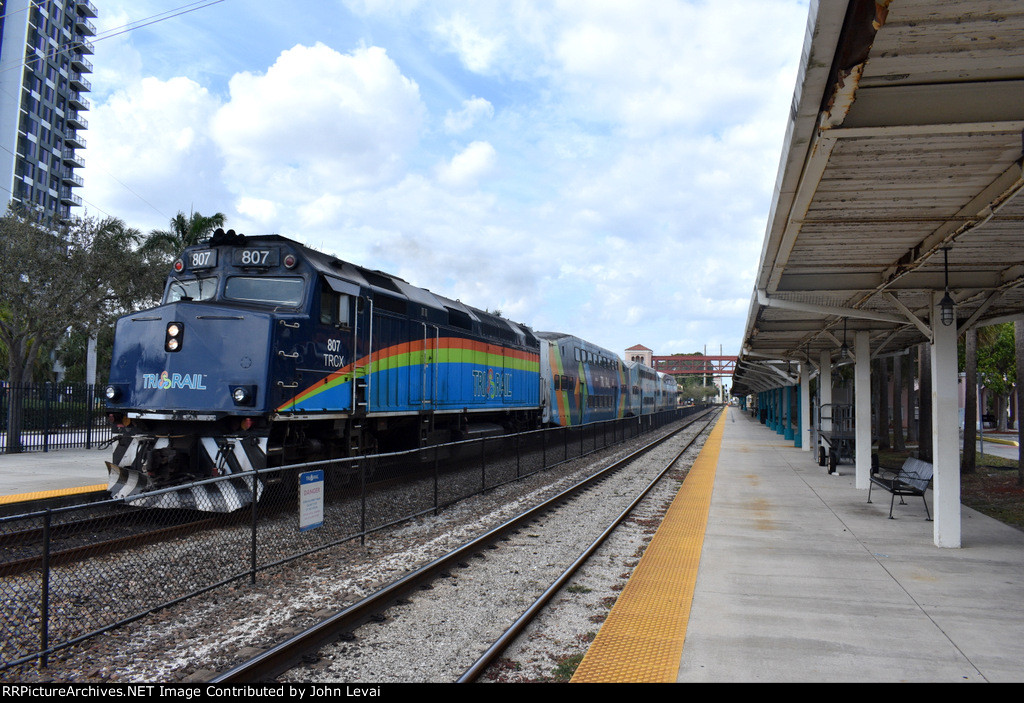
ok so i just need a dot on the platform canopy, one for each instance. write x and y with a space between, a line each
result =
904 146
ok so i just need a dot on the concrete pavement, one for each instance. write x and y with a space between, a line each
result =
801 579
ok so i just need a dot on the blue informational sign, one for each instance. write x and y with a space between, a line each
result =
311 500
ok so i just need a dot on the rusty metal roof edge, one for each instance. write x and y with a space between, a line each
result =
824 27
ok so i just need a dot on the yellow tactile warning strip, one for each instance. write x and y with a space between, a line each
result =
642 639
40 495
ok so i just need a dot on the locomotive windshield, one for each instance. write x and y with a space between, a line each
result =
267 290
195 289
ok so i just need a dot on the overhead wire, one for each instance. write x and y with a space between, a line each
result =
153 19
115 31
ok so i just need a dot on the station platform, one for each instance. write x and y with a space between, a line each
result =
35 475
797 578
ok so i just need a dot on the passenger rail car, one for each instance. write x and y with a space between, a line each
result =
586 383
267 353
583 382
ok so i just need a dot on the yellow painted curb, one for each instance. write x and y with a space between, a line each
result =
999 440
39 495
642 639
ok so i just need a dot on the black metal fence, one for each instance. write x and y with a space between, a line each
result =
46 416
67 574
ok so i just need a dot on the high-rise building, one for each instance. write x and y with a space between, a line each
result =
43 49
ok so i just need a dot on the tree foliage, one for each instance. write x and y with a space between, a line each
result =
78 276
997 359
185 231
691 388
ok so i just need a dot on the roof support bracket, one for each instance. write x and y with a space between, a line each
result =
856 313
985 305
835 340
914 319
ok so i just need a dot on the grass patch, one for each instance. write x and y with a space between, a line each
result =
566 667
993 490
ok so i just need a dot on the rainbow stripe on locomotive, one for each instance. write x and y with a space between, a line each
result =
267 353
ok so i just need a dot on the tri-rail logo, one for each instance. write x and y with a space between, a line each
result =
493 384
164 381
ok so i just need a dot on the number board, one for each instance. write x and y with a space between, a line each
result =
202 259
255 257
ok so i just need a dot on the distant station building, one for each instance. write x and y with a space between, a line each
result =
43 49
639 352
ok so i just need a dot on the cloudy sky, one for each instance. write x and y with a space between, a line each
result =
598 167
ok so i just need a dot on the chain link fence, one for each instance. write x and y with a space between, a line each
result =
67 574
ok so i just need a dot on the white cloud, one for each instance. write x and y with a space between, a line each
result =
318 121
146 136
655 65
257 209
468 166
474 47
472 111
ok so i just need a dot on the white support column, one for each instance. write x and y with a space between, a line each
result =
862 407
805 407
90 361
825 394
945 431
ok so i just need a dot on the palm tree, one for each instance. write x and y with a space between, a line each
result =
185 231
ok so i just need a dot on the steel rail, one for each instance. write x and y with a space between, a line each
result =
501 644
286 655
73 555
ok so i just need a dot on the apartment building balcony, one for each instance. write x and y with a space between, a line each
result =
81 64
83 46
86 8
78 82
73 139
84 26
72 180
77 101
70 158
69 198
77 121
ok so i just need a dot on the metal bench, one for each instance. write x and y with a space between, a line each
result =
911 480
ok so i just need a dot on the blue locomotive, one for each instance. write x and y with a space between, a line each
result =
267 353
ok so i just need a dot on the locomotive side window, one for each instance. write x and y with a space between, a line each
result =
334 308
196 289
271 291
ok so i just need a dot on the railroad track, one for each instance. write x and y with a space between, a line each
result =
81 539
516 544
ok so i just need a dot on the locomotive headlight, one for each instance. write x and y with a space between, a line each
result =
243 395
113 393
174 337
